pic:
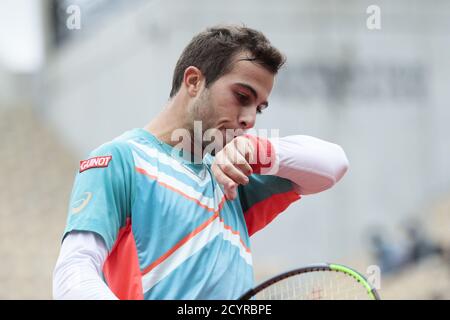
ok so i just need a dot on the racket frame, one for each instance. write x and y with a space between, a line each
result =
371 291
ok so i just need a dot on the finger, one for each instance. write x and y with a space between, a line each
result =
241 163
245 148
232 171
228 184
231 193
222 178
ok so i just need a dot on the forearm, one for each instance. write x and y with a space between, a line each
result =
78 271
312 164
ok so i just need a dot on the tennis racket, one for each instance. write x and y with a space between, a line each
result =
324 281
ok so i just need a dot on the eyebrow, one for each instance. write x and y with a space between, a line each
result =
253 91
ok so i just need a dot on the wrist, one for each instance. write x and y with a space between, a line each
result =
263 153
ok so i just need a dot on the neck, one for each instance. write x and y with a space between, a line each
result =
165 123
174 116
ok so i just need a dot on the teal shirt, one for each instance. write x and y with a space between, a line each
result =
169 230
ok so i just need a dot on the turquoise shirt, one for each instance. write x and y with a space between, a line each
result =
169 230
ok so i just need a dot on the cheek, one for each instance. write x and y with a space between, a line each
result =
226 106
223 102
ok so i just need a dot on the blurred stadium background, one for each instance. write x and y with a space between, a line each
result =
381 94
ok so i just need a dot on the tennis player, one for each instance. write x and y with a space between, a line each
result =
155 216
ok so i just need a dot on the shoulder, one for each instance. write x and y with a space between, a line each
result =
114 147
110 154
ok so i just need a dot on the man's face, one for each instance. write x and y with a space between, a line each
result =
233 100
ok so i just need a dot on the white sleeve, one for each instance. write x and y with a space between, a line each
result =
314 165
78 271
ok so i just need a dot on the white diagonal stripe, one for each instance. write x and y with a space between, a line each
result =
191 247
176 165
235 240
163 158
175 183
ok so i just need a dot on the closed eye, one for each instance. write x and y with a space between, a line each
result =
242 98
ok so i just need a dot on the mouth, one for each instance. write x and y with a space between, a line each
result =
235 130
228 133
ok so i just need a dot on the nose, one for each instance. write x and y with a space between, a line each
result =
247 118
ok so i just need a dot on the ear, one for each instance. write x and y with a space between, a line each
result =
193 80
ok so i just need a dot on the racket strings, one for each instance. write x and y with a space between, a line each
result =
319 285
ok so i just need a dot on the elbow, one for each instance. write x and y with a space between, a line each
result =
341 164
336 168
329 169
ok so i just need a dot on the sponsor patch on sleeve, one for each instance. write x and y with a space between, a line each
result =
96 162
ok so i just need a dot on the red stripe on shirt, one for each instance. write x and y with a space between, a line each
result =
180 243
165 185
121 269
262 213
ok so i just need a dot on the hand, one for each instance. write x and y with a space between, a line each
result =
231 165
